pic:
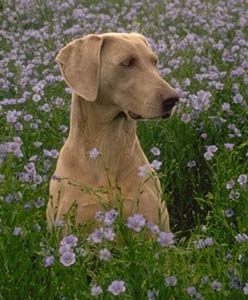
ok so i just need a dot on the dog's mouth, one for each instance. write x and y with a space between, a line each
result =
134 116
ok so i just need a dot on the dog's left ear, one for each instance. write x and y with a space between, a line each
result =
79 63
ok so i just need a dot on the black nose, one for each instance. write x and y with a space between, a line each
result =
169 103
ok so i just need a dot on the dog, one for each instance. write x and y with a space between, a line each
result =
114 82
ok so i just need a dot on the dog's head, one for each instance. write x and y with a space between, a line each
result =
117 69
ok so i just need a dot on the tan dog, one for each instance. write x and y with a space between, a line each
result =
114 81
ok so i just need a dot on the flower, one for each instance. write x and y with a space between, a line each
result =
155 151
110 217
68 258
109 233
170 281
96 290
104 254
241 237
216 286
69 240
94 153
136 222
97 236
48 261
242 180
191 290
166 239
191 164
229 212
230 184
245 289
152 294
117 287
155 164
17 231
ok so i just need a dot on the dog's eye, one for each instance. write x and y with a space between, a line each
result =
129 62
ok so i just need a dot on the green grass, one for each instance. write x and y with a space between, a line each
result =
200 203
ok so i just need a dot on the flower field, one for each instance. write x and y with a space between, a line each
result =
200 154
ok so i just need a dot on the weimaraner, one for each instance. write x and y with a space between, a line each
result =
114 82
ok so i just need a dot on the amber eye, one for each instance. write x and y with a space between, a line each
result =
129 62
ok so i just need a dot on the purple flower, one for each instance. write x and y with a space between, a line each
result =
216 286
166 239
17 231
230 184
241 237
39 202
155 151
96 290
136 222
191 290
236 283
186 118
153 227
170 281
68 258
109 233
152 294
117 287
191 164
97 236
69 240
229 146
48 261
110 217
208 155
242 180
104 254
245 289
229 212
156 165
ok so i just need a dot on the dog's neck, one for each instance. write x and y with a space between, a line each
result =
94 125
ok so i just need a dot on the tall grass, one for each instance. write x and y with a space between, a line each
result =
203 52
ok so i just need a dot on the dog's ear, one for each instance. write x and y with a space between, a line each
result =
79 63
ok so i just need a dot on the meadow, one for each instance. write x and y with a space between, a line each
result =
201 155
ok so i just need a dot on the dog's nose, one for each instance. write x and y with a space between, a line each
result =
169 103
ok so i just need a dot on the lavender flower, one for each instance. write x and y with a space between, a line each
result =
242 180
229 212
96 290
110 217
241 237
170 281
104 254
136 222
245 289
68 258
191 164
166 239
155 151
155 164
69 240
152 294
191 290
48 261
17 231
117 287
216 286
